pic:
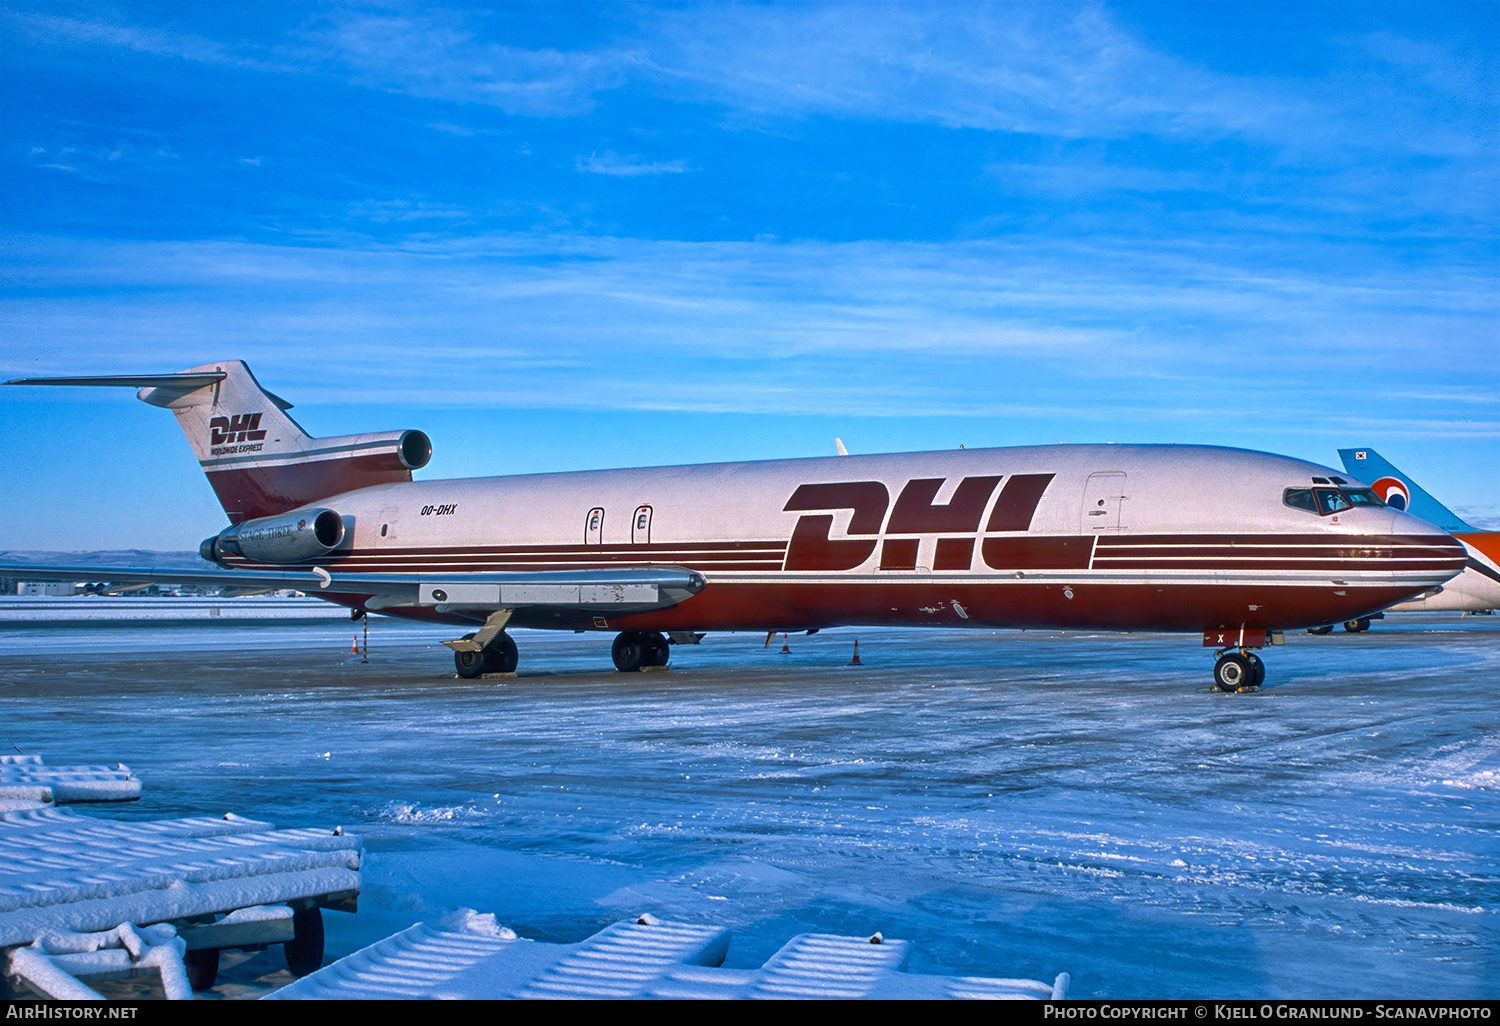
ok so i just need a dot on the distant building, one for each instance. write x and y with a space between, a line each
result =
35 588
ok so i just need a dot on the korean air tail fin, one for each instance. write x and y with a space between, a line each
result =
1399 490
257 458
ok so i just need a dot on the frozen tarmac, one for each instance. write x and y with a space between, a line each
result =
1012 804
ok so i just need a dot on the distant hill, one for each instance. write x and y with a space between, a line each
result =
110 557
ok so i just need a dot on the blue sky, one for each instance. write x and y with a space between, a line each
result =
564 236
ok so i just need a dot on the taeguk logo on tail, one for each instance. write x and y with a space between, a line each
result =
1393 491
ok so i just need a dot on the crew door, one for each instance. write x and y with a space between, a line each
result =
1104 498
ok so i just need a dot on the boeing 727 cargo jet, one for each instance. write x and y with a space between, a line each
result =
1476 589
1238 545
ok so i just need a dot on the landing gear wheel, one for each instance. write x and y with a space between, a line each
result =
1232 672
469 664
629 651
1357 626
304 952
1257 669
1327 628
658 650
202 965
500 655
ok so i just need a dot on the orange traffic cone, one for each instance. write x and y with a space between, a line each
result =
354 648
855 660
784 647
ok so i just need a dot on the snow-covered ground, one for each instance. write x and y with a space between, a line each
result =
1013 804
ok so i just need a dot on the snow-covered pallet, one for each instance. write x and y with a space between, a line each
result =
24 778
63 871
468 956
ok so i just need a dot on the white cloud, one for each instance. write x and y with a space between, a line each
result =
157 41
441 55
627 166
910 328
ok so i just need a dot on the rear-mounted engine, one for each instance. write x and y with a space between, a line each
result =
287 538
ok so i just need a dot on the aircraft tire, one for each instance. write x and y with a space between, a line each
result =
658 650
469 664
304 952
629 651
1232 672
1356 626
202 965
500 655
1257 670
1327 628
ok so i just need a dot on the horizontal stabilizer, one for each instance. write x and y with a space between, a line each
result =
131 380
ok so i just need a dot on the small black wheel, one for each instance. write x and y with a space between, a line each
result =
1327 628
1257 670
202 965
469 664
500 655
1364 624
304 952
629 651
1231 672
1355 626
658 650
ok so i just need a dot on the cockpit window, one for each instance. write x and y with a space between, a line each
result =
1331 500
1300 498
1363 497
1326 500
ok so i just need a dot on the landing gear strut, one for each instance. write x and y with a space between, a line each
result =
634 650
1238 671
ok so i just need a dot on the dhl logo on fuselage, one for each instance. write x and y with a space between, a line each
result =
242 427
956 522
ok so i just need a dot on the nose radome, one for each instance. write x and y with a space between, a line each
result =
1405 523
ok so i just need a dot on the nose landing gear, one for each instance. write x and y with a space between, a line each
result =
1238 671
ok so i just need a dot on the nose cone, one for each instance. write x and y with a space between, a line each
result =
1419 545
1404 523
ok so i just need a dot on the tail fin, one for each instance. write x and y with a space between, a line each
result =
1399 490
259 461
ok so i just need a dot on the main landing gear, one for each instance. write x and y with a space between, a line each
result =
499 656
1358 626
474 655
1240 670
636 650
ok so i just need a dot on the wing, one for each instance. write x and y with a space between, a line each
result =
630 589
